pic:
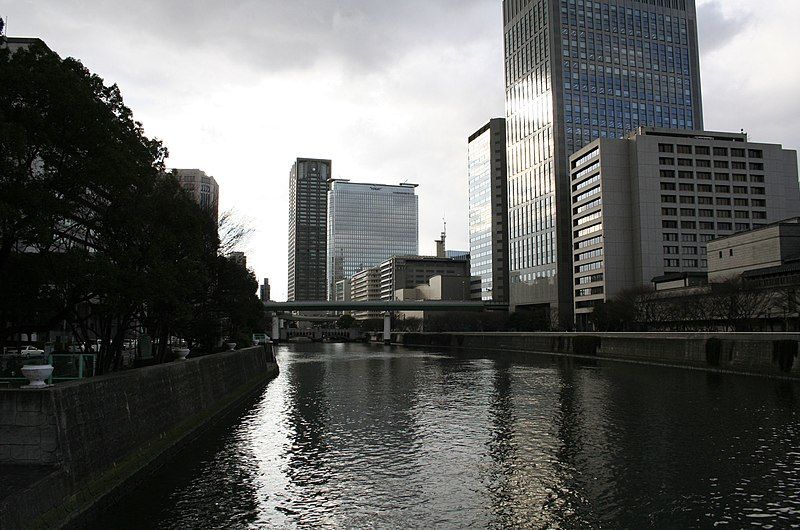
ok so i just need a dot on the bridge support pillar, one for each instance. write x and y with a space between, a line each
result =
387 327
276 329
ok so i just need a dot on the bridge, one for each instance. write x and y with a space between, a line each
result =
387 307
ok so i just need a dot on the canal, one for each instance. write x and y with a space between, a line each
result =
358 436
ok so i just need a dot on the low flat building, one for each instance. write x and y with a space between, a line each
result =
647 205
407 272
763 248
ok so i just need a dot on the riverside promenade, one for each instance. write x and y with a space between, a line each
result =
70 448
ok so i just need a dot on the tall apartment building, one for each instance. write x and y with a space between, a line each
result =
365 286
407 272
203 188
308 214
578 71
645 206
264 293
488 208
367 224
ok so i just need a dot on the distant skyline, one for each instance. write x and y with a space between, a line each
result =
388 90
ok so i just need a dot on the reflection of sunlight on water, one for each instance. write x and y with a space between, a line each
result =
351 436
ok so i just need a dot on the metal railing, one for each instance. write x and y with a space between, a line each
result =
66 367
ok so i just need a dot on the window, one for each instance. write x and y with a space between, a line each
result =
741 214
724 214
757 191
742 227
668 186
738 153
702 150
704 188
664 161
720 151
756 166
589 279
668 198
669 236
690 263
667 174
740 202
705 238
740 189
706 213
669 211
672 263
706 225
759 203
703 175
685 162
687 199
688 225
723 226
684 186
685 175
689 238
687 212
722 164
723 189
705 200
738 177
723 201
665 148
756 178
669 224
670 250
690 251
684 149
721 176
702 163
759 215
755 153
738 165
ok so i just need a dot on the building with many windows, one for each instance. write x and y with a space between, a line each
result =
577 71
645 206
488 208
308 216
367 224
407 272
203 188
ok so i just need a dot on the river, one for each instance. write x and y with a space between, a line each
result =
359 436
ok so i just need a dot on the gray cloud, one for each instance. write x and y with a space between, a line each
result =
716 28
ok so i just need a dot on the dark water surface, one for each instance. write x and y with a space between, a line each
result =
356 436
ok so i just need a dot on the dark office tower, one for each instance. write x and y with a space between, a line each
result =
577 71
488 212
308 214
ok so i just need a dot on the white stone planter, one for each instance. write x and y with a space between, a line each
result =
231 345
36 374
182 353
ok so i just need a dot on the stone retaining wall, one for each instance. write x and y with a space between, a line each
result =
773 354
98 433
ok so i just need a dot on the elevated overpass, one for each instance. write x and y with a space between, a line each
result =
387 307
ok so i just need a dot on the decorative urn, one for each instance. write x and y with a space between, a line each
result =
231 345
37 374
181 353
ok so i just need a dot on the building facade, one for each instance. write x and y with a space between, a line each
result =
308 218
367 224
576 72
646 206
203 188
773 248
264 293
365 286
407 272
488 209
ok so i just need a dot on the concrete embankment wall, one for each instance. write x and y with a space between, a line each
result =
100 433
774 354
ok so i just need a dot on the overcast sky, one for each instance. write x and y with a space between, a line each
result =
388 89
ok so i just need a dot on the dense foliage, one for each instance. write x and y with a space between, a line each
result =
95 239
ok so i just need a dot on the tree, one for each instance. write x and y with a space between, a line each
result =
346 322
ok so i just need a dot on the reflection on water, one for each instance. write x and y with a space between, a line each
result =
353 436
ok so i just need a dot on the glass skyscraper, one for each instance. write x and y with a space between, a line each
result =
576 71
308 186
488 206
368 224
